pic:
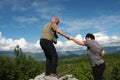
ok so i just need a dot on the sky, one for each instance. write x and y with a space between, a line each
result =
22 21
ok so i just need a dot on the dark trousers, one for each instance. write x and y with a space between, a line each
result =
51 56
98 71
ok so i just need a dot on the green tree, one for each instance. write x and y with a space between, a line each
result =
19 68
116 71
6 68
26 67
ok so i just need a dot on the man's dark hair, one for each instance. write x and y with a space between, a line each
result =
89 35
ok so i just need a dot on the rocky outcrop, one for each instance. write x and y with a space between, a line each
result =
43 77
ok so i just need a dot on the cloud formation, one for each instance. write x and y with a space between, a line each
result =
30 14
101 23
9 44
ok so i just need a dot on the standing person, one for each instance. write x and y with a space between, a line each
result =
95 53
48 37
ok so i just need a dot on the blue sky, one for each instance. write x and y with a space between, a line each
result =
21 21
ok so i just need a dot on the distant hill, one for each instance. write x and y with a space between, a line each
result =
62 54
8 53
111 48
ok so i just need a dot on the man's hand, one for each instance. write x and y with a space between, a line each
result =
69 37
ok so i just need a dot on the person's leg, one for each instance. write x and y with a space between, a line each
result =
45 46
54 61
48 66
101 70
95 73
98 71
54 56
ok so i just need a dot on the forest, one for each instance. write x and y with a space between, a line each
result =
25 68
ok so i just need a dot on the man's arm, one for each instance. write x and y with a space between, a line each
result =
79 42
62 33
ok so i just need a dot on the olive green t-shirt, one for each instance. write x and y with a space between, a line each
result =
49 32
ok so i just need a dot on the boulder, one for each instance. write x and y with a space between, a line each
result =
43 77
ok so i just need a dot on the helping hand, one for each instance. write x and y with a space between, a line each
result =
69 37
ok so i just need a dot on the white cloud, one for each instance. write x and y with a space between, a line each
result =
25 19
102 23
18 7
9 44
107 40
102 38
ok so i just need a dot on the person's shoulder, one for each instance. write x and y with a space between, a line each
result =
89 42
54 25
85 42
96 41
48 24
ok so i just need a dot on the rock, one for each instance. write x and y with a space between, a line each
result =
50 78
40 77
43 77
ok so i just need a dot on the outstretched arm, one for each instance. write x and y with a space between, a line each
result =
62 33
79 42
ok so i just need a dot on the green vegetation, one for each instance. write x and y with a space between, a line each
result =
25 68
20 68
